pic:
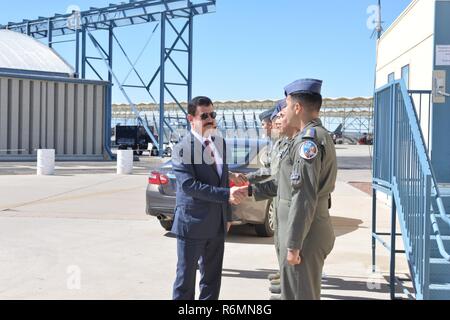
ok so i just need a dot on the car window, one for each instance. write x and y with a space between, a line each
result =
240 152
245 154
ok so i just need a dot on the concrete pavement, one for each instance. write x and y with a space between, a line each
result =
86 236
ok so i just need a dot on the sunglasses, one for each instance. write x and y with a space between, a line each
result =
205 116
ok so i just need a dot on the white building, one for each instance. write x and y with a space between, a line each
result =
416 48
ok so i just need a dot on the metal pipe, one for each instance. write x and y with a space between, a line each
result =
83 52
379 23
190 56
108 114
437 233
49 33
108 109
392 263
77 53
162 85
427 244
374 227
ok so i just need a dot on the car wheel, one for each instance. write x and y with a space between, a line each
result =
166 224
267 228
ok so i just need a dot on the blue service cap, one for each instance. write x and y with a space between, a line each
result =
266 115
304 85
281 104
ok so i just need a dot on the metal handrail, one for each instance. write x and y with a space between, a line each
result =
425 162
439 240
434 186
402 165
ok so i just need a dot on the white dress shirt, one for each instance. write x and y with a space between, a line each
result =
217 157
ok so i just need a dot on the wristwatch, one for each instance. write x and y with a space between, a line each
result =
250 190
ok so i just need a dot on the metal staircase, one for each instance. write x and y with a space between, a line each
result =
402 169
440 240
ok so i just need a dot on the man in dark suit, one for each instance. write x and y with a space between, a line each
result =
203 206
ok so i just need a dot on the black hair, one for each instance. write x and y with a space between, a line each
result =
198 102
309 100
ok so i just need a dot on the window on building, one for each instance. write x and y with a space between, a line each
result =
405 75
391 77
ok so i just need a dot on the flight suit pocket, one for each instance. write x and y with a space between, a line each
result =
296 177
283 216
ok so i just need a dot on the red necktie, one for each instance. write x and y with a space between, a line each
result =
210 150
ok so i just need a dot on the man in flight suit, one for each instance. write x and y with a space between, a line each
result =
277 148
276 187
309 236
264 172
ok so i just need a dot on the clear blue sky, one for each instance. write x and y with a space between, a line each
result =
250 49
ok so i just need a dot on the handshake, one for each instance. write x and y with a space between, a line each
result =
239 188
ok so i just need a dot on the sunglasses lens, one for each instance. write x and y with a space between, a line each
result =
205 116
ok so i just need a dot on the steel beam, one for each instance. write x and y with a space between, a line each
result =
115 15
122 15
162 83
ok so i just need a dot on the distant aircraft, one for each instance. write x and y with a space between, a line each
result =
337 134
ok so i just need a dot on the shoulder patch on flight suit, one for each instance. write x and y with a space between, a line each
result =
308 150
309 134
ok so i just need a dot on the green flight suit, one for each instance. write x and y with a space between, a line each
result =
265 172
308 225
270 189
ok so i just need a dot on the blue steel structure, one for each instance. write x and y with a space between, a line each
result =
402 169
79 28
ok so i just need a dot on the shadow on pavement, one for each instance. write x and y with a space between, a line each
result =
353 286
248 274
246 234
342 289
240 234
364 287
343 225
354 163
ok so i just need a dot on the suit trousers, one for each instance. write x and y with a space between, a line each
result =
207 255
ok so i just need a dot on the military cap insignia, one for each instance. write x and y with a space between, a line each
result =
308 150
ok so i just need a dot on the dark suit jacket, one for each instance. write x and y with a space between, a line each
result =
202 208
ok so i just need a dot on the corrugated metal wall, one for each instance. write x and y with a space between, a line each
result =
40 113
